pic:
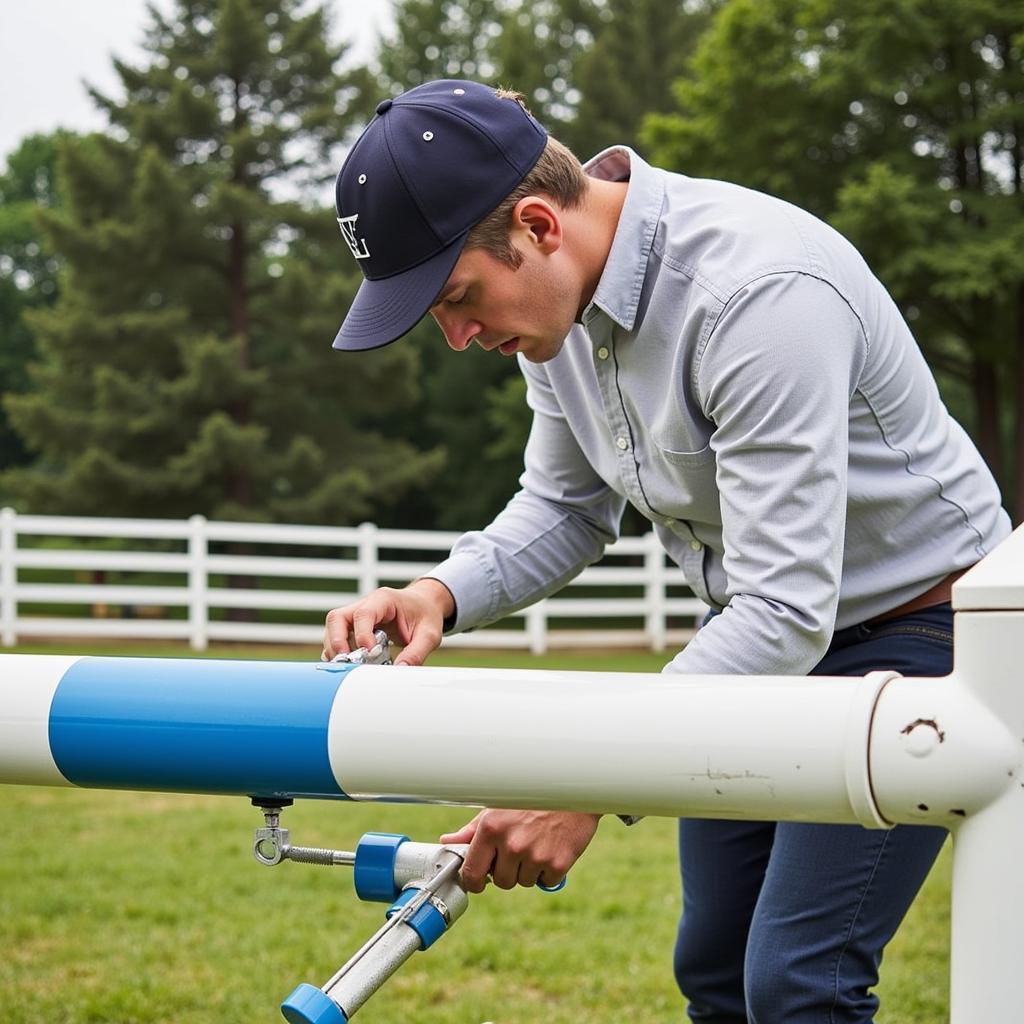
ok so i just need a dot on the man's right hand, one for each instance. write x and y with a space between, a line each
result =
413 616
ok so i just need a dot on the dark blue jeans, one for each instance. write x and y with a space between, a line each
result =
785 923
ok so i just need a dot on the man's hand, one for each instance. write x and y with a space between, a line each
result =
522 847
413 617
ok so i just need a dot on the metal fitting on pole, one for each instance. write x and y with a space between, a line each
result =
419 880
422 913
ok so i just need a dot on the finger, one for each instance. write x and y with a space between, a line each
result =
336 633
364 621
478 864
333 644
505 870
528 874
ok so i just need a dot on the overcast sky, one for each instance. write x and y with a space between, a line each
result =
47 47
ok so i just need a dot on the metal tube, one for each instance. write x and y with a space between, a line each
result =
390 947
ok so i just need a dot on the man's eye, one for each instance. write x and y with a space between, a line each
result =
457 300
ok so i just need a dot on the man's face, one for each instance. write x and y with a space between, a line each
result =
529 309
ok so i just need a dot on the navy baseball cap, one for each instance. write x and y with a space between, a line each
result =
430 166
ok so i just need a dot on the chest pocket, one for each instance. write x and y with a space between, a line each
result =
681 484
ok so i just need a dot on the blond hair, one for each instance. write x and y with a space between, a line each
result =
557 174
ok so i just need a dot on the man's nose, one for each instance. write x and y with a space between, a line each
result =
459 332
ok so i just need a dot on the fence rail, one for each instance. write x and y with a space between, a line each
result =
200 580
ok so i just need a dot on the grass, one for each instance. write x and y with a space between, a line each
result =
128 908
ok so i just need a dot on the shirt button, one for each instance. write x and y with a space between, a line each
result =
621 443
695 545
602 353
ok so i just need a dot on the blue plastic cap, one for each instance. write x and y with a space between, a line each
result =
428 922
311 1005
374 873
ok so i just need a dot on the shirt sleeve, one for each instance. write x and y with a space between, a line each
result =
559 522
776 378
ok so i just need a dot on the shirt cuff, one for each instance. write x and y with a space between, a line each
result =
467 580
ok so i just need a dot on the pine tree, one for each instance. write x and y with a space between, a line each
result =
529 47
752 107
28 269
640 48
187 366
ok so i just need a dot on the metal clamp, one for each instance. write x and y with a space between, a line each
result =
378 654
271 843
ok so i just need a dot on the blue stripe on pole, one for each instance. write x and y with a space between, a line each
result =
196 726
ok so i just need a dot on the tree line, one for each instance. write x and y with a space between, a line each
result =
169 288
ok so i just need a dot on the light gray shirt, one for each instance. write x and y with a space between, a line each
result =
743 379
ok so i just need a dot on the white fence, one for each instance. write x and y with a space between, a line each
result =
202 581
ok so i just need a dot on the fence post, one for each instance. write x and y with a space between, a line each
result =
368 558
537 627
654 592
8 578
198 611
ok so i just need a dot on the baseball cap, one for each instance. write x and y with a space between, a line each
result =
431 165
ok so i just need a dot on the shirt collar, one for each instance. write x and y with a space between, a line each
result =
618 290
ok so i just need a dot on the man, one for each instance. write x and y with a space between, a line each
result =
728 364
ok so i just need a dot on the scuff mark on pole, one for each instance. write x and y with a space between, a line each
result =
906 730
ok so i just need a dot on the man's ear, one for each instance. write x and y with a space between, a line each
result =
539 223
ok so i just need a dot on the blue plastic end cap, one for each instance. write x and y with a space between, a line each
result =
374 874
311 1005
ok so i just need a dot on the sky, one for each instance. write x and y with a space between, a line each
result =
47 48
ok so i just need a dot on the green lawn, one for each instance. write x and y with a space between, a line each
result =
124 908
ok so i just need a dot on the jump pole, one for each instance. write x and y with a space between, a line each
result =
877 751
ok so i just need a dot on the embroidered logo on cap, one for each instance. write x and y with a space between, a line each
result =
348 232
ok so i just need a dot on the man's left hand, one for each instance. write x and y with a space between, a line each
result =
522 847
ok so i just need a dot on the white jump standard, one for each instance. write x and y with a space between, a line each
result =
879 751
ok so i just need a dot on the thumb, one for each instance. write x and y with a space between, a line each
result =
421 644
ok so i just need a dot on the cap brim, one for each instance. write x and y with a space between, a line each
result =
385 309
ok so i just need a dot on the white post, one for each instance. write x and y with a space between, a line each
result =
198 610
654 565
949 751
537 627
368 558
8 578
988 883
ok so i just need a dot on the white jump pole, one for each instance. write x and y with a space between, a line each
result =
878 751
